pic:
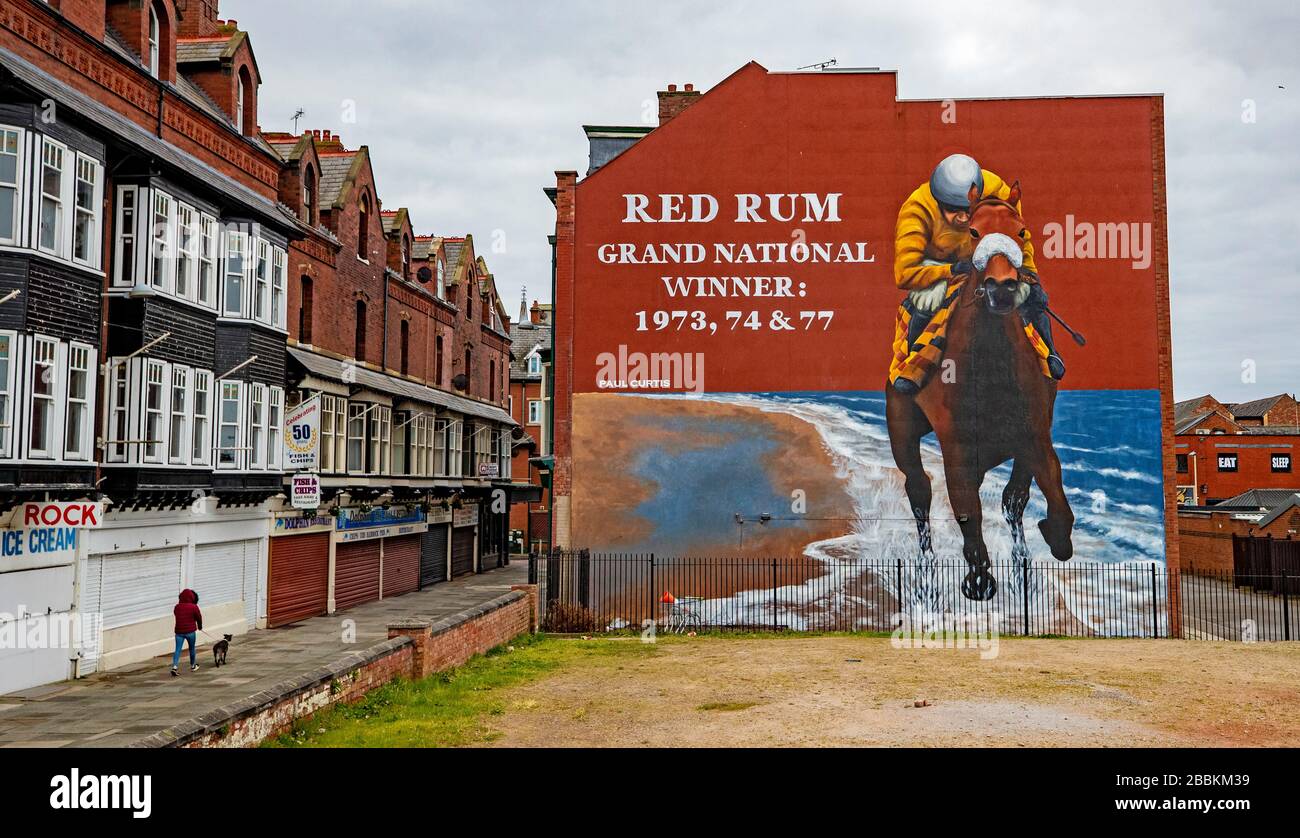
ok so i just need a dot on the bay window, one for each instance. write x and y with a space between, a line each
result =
357 437
10 168
379 437
118 414
402 433
439 465
51 215
125 270
77 419
327 437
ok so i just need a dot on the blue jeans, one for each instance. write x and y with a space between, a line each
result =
181 640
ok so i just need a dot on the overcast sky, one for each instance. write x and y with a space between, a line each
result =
470 107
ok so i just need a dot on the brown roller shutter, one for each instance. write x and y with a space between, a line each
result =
462 551
299 576
401 565
356 574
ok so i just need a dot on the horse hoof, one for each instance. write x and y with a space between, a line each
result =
1061 546
979 586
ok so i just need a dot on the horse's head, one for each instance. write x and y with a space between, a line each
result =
999 234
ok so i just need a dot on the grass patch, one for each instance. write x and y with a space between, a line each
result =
728 706
448 709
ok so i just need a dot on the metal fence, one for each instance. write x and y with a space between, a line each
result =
583 591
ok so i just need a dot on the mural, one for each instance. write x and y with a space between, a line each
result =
748 382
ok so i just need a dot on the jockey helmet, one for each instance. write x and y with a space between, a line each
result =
952 179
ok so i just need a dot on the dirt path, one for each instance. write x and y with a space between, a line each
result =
860 691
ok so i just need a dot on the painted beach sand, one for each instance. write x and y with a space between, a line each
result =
674 473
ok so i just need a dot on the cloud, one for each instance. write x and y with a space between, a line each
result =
469 108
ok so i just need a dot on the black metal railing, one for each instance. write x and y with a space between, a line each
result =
583 591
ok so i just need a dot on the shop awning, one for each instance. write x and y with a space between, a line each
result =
332 369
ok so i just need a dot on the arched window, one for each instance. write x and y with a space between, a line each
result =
155 42
360 351
309 195
469 295
469 359
492 381
406 256
304 311
406 345
363 228
437 362
442 280
245 112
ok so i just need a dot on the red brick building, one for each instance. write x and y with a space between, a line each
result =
529 406
1225 449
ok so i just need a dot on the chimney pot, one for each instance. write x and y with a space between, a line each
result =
672 88
689 88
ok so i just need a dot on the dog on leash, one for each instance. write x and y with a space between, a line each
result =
220 648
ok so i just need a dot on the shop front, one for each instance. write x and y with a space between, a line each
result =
376 553
298 578
435 546
464 539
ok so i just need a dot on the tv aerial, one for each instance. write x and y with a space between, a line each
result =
821 65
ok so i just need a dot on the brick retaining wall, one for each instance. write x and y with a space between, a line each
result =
416 648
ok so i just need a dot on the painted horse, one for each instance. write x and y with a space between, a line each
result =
990 402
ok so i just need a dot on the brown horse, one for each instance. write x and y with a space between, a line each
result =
991 403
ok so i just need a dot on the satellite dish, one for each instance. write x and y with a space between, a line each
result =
460 381
517 432
424 274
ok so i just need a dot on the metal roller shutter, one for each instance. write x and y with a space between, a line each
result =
91 635
462 551
356 574
401 565
219 572
299 578
139 586
433 555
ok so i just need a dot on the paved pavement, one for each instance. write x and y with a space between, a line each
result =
112 709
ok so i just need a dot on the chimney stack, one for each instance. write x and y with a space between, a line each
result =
535 313
198 18
673 101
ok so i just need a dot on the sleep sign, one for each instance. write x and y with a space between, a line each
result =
1281 462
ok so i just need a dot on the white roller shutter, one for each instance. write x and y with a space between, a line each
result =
219 573
139 586
88 607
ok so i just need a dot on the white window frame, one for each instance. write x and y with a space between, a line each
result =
155 38
8 357
256 426
534 363
356 413
88 170
201 441
61 237
274 426
179 439
262 282
38 346
279 288
234 238
118 418
126 252
209 277
187 252
327 408
236 451
80 360
153 445
534 412
162 241
11 237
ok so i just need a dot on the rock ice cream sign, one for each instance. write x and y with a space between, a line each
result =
45 534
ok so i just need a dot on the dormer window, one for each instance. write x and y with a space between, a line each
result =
239 104
309 194
363 229
442 280
534 364
406 256
155 39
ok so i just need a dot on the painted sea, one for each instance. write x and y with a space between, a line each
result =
707 482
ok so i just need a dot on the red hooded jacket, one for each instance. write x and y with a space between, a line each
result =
188 616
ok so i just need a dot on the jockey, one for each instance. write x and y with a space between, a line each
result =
933 245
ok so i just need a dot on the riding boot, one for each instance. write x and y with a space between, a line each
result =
1038 317
915 327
